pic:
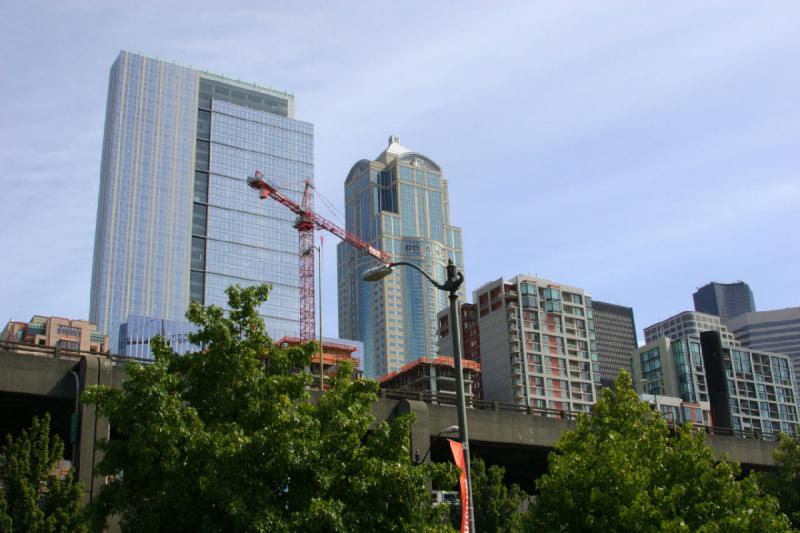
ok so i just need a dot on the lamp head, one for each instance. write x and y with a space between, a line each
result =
377 273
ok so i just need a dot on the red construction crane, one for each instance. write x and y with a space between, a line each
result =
306 221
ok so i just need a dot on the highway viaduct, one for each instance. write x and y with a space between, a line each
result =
47 380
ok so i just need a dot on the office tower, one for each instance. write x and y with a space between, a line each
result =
136 333
54 331
615 330
771 331
176 220
537 344
397 203
688 324
751 390
726 300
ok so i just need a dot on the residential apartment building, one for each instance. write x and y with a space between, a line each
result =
673 368
688 324
677 412
537 344
726 300
58 332
771 331
750 390
176 220
615 330
470 337
470 332
398 203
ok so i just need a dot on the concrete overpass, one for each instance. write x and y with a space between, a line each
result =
47 380
507 435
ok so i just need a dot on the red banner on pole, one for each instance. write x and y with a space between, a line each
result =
458 457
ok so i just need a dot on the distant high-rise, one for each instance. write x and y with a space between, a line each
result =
397 203
776 331
726 300
615 330
688 324
176 220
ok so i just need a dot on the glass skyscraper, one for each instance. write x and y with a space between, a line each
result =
726 300
397 203
176 220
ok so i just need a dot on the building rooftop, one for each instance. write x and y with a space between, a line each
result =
222 77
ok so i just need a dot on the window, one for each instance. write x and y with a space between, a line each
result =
651 370
68 330
202 155
552 306
550 294
197 285
203 124
199 217
201 187
741 362
198 253
69 345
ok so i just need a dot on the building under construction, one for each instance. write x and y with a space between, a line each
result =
433 377
334 354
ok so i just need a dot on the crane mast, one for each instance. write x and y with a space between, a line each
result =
307 221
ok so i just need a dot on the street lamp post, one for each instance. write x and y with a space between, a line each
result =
451 286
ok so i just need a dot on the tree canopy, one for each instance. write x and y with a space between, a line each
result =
33 499
496 505
784 483
226 439
622 469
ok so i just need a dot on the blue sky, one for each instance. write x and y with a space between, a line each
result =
635 149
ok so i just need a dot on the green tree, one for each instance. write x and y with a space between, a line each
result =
496 505
622 470
784 484
32 498
226 439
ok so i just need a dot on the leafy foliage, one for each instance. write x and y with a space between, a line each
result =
784 484
622 470
226 439
496 505
32 498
